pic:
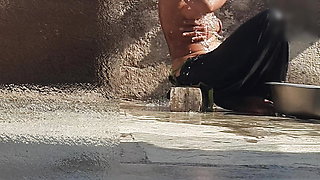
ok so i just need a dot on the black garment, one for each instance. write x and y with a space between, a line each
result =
256 53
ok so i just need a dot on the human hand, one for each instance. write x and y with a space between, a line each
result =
194 30
199 32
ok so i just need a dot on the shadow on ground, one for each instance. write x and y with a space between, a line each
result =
24 160
155 163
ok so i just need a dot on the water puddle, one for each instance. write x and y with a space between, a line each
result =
251 126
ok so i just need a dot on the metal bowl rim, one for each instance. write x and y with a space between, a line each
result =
293 85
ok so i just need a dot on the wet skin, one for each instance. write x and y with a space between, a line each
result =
183 29
185 33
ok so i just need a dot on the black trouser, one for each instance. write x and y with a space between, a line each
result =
256 53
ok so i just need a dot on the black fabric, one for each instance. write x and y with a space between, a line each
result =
256 53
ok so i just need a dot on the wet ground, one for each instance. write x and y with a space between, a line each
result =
157 144
72 132
56 132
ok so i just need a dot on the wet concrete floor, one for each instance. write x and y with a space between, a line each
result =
73 133
61 132
157 144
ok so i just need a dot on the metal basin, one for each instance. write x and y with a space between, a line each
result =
296 99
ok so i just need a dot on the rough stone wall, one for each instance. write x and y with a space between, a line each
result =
47 41
305 68
117 42
304 32
236 12
135 62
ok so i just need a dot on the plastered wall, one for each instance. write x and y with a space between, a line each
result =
117 43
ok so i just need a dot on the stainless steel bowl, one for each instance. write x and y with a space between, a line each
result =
296 99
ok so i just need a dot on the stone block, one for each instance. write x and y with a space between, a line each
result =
186 99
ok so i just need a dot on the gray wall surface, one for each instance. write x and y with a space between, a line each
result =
117 43
47 41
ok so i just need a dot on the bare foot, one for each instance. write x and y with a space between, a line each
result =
256 105
250 105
